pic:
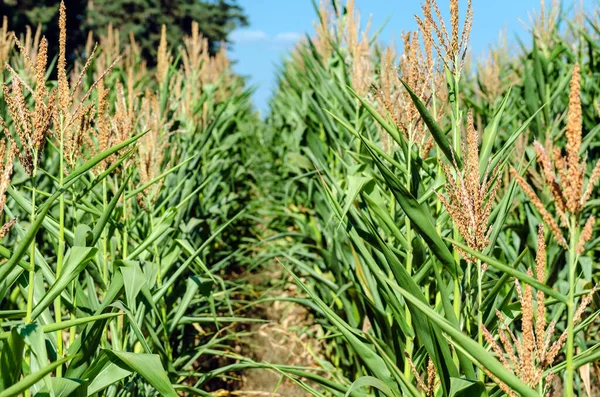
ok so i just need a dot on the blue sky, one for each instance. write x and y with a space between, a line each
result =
275 26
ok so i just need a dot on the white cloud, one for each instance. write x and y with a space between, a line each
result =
259 36
288 37
248 36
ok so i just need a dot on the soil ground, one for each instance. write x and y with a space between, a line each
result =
289 337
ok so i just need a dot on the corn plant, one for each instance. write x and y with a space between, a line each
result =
439 219
120 187
422 242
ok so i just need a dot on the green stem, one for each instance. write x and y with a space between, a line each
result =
409 253
163 308
479 312
32 249
73 330
456 114
124 250
571 305
61 248
470 305
125 228
456 290
155 249
31 260
456 147
456 234
105 246
104 235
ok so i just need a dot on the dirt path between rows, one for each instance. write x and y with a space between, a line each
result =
288 337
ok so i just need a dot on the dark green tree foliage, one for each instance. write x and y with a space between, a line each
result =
143 18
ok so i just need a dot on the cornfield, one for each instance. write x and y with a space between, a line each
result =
400 224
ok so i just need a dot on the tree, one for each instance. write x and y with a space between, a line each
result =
143 18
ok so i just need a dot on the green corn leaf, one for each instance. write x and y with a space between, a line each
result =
146 365
501 155
109 375
34 338
192 286
134 280
48 328
76 260
64 387
436 132
490 135
479 353
108 211
356 184
513 272
103 373
160 293
146 185
467 388
369 381
26 382
11 357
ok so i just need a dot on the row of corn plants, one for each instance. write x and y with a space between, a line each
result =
440 213
123 189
